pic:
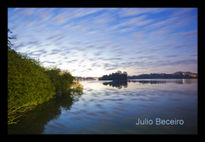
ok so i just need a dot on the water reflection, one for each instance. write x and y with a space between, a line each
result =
117 84
162 81
105 109
121 84
34 121
148 81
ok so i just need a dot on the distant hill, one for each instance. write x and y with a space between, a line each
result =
176 75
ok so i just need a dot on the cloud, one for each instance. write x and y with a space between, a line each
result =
107 39
96 64
109 66
171 56
112 68
32 43
134 21
104 18
89 69
72 13
180 62
124 12
71 61
55 51
20 45
28 11
48 62
37 53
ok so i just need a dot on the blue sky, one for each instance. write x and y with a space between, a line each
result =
98 41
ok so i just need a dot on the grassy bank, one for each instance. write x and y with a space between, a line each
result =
30 84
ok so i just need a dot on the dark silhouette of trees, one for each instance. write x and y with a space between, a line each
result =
177 75
10 37
118 76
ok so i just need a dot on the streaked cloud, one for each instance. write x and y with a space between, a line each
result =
97 41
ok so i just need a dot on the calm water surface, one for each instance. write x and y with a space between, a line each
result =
113 108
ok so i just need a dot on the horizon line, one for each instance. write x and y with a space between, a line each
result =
138 74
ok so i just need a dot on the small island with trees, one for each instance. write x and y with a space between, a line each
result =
117 77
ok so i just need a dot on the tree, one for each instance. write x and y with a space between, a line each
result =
28 85
10 37
61 80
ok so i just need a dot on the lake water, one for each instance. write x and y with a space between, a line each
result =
112 108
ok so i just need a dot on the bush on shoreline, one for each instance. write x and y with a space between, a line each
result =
30 84
61 80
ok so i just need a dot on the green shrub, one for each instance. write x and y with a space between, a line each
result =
61 80
28 85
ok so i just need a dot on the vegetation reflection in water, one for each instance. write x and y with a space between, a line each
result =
34 121
106 107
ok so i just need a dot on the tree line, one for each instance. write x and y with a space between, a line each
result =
177 75
117 76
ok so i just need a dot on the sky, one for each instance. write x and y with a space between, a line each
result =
97 41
